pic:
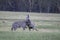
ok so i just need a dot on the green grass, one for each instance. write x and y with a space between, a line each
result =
29 35
42 21
48 24
46 20
48 27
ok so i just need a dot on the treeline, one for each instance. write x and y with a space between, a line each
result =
41 6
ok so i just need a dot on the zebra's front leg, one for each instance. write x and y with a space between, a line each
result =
35 29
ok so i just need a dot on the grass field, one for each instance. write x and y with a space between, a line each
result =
48 26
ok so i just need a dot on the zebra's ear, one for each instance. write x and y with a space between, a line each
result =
27 16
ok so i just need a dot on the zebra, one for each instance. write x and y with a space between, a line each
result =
24 24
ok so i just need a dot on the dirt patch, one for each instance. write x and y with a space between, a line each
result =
49 30
20 29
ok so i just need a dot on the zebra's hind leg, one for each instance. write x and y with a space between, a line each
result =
23 28
13 28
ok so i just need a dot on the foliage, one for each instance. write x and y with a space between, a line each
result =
42 6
